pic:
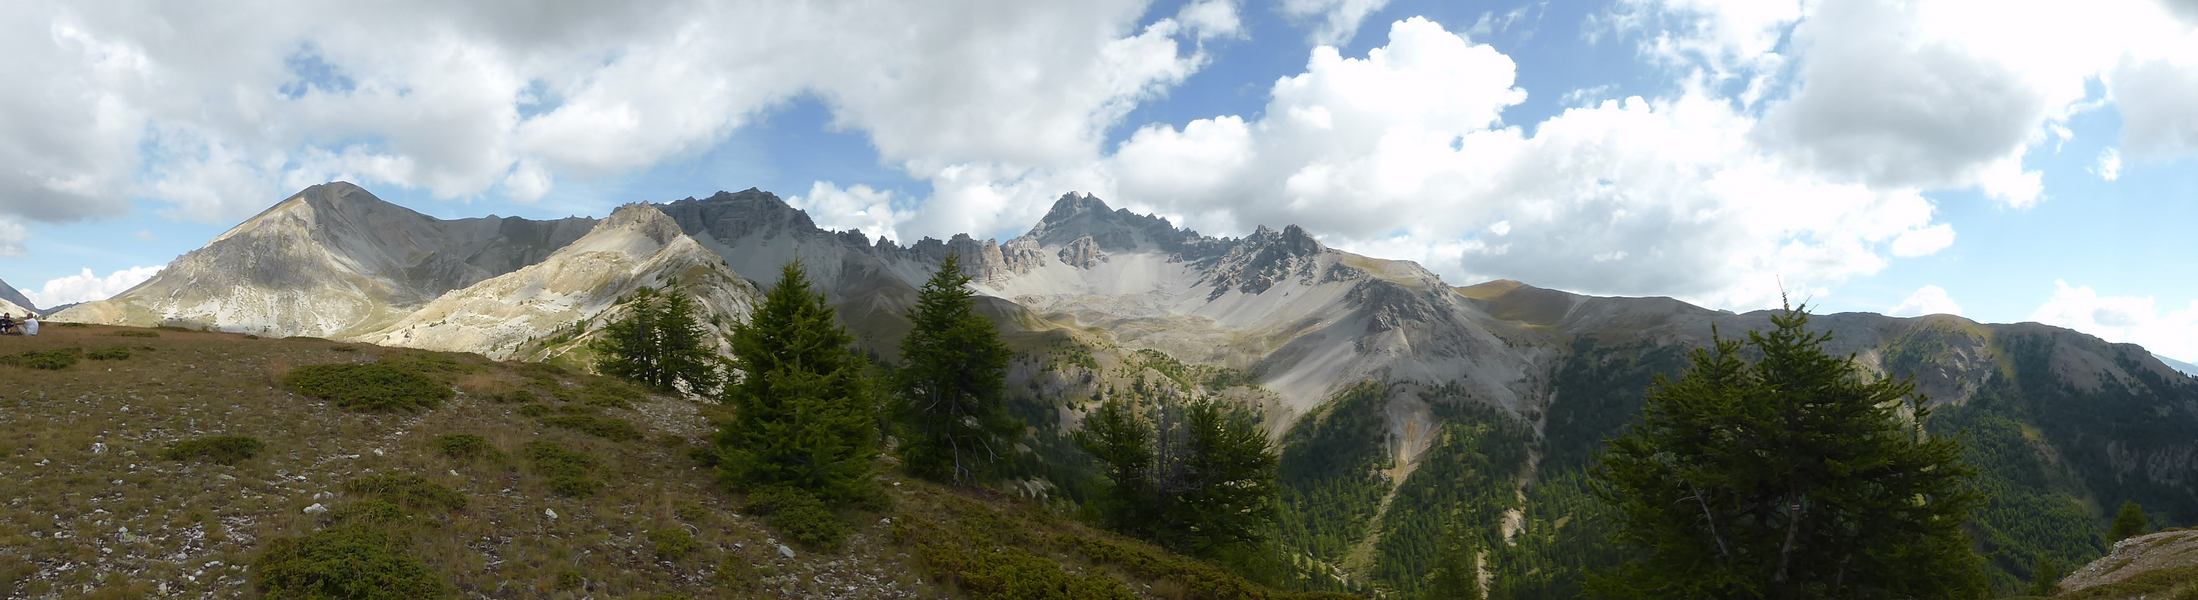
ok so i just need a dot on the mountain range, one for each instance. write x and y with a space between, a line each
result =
13 302
1397 398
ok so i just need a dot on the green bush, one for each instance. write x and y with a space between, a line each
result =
371 386
609 428
463 446
534 410
568 471
604 392
115 353
218 449
347 561
672 543
136 333
515 396
799 515
369 511
407 490
50 360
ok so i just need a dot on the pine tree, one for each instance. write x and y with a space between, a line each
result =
1457 573
803 411
2129 521
952 403
1224 481
1121 440
1199 479
1796 476
660 343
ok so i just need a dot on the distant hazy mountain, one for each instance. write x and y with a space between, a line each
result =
2179 365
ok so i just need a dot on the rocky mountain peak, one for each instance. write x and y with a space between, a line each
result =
1073 204
644 219
1291 241
1266 257
1079 215
731 215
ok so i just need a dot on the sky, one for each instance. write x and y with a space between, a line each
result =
2003 160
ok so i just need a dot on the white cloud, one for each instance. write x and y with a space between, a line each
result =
1334 22
12 236
225 115
858 207
86 287
1954 93
1667 196
1730 38
1212 19
2109 167
1923 242
1928 300
2154 94
2141 320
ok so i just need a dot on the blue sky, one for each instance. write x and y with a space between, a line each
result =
1872 155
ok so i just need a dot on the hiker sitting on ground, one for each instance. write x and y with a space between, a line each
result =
7 324
30 324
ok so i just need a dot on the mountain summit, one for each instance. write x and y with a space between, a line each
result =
331 260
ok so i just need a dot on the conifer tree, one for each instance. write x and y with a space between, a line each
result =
1122 442
804 416
1796 476
1221 490
951 401
660 344
2129 521
1457 573
1199 478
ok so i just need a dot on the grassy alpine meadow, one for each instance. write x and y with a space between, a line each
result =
195 467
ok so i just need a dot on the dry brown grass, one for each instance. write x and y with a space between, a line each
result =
194 529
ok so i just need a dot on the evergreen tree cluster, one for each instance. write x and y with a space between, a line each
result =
1199 477
661 344
1796 476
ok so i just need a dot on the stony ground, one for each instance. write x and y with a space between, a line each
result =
2157 566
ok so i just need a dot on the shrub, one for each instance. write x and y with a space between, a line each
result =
134 333
516 396
463 446
609 428
407 490
427 363
800 516
672 543
115 353
348 561
371 386
218 449
567 470
1009 572
370 511
50 360
610 393
534 410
